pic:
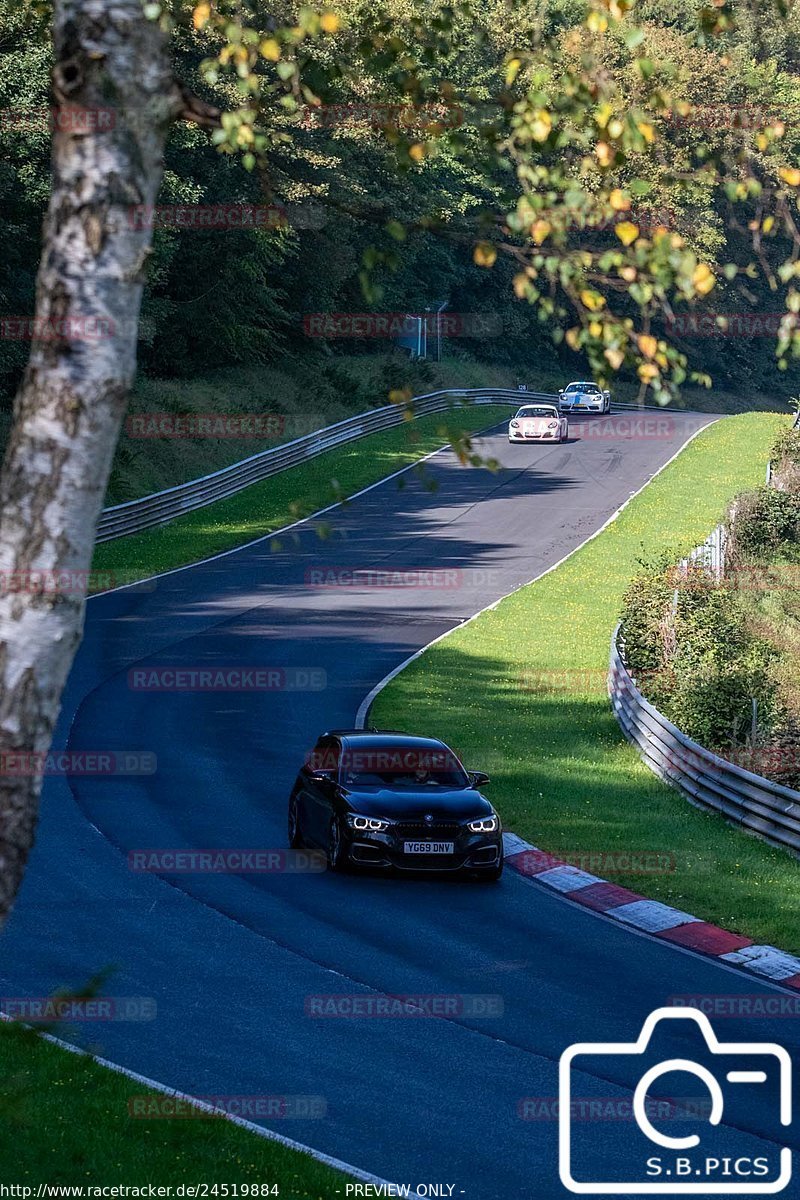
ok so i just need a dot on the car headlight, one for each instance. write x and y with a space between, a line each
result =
373 824
484 825
515 424
552 424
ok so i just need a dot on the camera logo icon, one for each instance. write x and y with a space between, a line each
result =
734 1079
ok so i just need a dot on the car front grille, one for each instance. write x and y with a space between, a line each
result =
418 830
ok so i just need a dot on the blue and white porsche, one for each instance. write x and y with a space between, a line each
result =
584 397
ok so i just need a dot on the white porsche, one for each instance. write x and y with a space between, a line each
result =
538 423
584 397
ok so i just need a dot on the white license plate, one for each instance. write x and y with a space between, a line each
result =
428 847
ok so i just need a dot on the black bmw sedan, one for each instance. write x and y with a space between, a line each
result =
382 799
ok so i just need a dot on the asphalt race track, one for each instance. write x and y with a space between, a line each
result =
231 960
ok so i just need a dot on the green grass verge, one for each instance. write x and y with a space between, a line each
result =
268 506
66 1119
520 692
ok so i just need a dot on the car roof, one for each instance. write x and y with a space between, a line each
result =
383 737
583 383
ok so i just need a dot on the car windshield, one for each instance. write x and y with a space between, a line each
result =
402 768
536 412
591 388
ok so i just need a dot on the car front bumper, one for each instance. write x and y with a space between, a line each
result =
597 406
471 851
551 435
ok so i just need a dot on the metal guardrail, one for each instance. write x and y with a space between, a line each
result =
759 805
160 507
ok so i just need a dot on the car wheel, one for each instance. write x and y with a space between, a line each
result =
335 849
295 836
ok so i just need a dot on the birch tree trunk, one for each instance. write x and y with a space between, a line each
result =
115 99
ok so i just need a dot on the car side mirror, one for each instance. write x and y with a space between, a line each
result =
320 776
479 778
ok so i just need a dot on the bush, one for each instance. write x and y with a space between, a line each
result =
763 523
785 459
696 659
645 616
718 667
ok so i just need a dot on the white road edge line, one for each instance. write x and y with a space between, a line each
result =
367 702
268 1134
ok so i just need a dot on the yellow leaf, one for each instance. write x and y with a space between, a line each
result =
484 254
647 372
270 49
790 175
512 70
592 300
329 22
627 232
400 396
619 201
595 328
540 230
647 131
614 357
200 15
521 285
647 344
572 338
703 279
541 125
417 152
628 274
615 128
244 135
597 22
603 115
603 152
